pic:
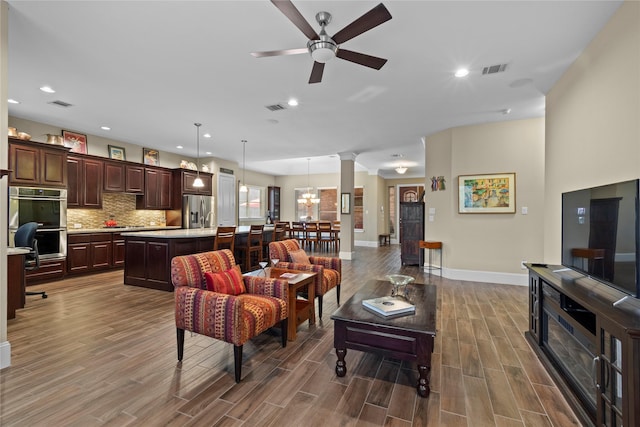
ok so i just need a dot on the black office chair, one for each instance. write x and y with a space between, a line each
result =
25 237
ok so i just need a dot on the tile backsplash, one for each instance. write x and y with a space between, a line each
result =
118 206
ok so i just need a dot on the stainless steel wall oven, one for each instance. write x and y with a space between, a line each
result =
47 207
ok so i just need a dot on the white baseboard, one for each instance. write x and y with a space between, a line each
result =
5 354
485 276
365 243
346 255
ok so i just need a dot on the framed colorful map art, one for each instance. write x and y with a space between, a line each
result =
492 193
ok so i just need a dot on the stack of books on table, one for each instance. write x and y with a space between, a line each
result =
389 306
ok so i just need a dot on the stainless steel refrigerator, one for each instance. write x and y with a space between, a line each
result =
197 212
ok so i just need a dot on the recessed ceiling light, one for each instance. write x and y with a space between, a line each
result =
462 72
47 89
293 102
506 111
208 153
105 128
179 147
12 101
207 135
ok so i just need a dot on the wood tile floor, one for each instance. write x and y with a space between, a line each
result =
98 353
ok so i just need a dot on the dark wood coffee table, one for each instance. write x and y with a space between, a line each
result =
405 338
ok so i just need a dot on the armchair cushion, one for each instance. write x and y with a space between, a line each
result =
226 282
299 257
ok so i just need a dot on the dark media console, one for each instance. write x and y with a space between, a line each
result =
587 335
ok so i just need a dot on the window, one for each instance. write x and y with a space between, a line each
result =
251 204
328 209
305 211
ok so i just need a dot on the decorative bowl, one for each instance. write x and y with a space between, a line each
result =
13 132
399 282
23 135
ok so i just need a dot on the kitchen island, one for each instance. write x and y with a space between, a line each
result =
148 254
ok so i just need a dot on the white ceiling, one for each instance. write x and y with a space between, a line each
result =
150 69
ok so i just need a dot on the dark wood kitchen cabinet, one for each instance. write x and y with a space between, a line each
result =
411 232
121 177
183 182
157 189
117 250
37 164
89 252
85 182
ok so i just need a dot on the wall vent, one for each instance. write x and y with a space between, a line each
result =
276 107
492 69
61 104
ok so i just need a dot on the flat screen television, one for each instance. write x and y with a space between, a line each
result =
601 234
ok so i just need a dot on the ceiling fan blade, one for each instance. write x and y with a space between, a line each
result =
294 15
316 72
280 52
361 58
369 20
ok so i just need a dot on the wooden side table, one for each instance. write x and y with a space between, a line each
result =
431 245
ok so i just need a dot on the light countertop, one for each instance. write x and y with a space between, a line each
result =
185 233
18 251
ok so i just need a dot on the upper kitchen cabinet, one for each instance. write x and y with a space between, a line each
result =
85 182
183 182
121 177
157 189
36 164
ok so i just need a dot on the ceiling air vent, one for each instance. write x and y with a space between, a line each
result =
61 104
492 69
276 107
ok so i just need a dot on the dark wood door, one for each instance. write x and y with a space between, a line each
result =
101 254
92 183
134 182
53 167
411 232
78 258
25 164
114 177
164 190
74 181
118 250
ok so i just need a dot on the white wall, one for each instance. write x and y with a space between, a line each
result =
593 119
488 247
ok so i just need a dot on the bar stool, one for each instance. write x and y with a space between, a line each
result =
253 248
225 238
432 245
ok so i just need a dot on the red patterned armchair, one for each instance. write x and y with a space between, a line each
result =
224 316
329 269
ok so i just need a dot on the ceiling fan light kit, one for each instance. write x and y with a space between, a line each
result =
323 48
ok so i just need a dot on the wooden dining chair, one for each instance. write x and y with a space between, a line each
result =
297 232
335 231
311 236
325 236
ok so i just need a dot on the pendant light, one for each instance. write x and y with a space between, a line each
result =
308 199
198 181
243 187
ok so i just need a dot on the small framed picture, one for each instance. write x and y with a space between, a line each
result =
345 205
116 153
76 141
150 156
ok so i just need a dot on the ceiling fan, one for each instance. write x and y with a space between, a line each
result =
323 48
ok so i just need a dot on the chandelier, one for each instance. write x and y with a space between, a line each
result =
308 199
